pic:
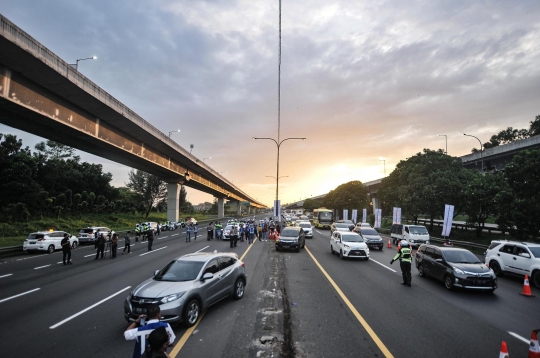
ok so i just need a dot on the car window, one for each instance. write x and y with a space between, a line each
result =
507 249
461 257
521 250
289 232
407 230
430 251
535 251
493 245
305 225
212 267
352 238
178 271
369 231
422 249
225 262
437 254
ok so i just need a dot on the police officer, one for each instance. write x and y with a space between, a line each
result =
146 229
137 232
404 256
100 246
150 239
66 249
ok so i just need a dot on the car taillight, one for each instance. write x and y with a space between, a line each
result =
243 264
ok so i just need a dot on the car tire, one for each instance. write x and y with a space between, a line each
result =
494 265
239 289
448 284
191 313
536 278
341 255
50 249
421 271
74 245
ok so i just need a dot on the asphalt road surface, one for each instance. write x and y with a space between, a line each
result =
307 304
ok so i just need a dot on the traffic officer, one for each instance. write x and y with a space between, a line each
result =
404 256
137 232
66 249
146 229
100 246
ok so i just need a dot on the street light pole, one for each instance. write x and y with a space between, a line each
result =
446 140
481 149
278 144
171 132
384 165
82 59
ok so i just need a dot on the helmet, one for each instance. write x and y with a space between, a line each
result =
404 243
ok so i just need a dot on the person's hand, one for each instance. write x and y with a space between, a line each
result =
391 262
139 318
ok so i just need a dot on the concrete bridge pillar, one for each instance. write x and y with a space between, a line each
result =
173 197
376 204
238 208
220 208
249 210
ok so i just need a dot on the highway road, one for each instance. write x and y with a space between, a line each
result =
307 304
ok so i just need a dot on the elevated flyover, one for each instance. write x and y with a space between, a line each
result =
42 94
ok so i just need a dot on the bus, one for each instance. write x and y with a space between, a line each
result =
323 218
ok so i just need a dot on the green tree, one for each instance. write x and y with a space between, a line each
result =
151 188
351 195
312 204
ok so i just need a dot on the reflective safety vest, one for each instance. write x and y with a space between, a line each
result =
406 254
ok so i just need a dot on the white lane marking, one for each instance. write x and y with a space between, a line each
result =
61 262
149 252
26 258
202 249
20 294
164 237
519 337
40 267
159 238
377 262
175 234
89 308
9 274
90 255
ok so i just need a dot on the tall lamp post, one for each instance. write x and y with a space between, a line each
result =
384 165
278 145
481 149
76 64
171 132
446 141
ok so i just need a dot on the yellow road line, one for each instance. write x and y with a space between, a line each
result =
190 330
362 321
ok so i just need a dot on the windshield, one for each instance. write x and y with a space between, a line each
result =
535 251
461 257
418 230
177 271
369 232
289 232
326 216
342 226
352 238
305 226
35 236
87 231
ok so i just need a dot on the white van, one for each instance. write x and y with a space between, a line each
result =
416 235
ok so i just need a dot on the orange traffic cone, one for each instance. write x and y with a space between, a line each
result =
504 351
534 349
526 288
389 246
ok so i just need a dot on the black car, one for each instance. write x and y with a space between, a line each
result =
455 267
291 238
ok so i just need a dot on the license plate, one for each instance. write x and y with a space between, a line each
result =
32 242
140 310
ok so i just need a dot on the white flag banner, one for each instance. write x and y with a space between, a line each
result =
354 215
345 214
378 216
448 219
277 209
364 215
396 218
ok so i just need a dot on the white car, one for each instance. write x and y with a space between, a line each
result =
521 258
349 245
363 225
306 226
47 241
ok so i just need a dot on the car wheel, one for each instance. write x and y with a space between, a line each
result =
341 255
298 249
421 271
536 278
448 282
74 245
191 313
239 287
494 265
50 249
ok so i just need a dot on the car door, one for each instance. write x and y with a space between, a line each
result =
301 238
438 269
506 255
213 287
335 240
226 271
427 260
521 263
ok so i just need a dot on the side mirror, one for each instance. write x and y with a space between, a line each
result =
525 254
156 272
207 276
439 261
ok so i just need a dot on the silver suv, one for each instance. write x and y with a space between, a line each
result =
522 258
88 235
188 285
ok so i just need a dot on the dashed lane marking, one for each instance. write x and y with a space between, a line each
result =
89 308
386 267
40 267
202 249
360 319
149 252
9 274
20 294
519 337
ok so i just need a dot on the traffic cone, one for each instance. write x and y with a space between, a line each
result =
534 349
389 246
526 288
504 351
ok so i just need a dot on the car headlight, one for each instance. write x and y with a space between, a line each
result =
171 298
458 271
346 246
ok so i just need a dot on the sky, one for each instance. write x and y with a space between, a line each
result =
362 81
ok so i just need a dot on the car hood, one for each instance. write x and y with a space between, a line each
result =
473 268
355 245
153 289
372 237
288 237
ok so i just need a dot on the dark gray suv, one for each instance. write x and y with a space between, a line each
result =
188 285
291 238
